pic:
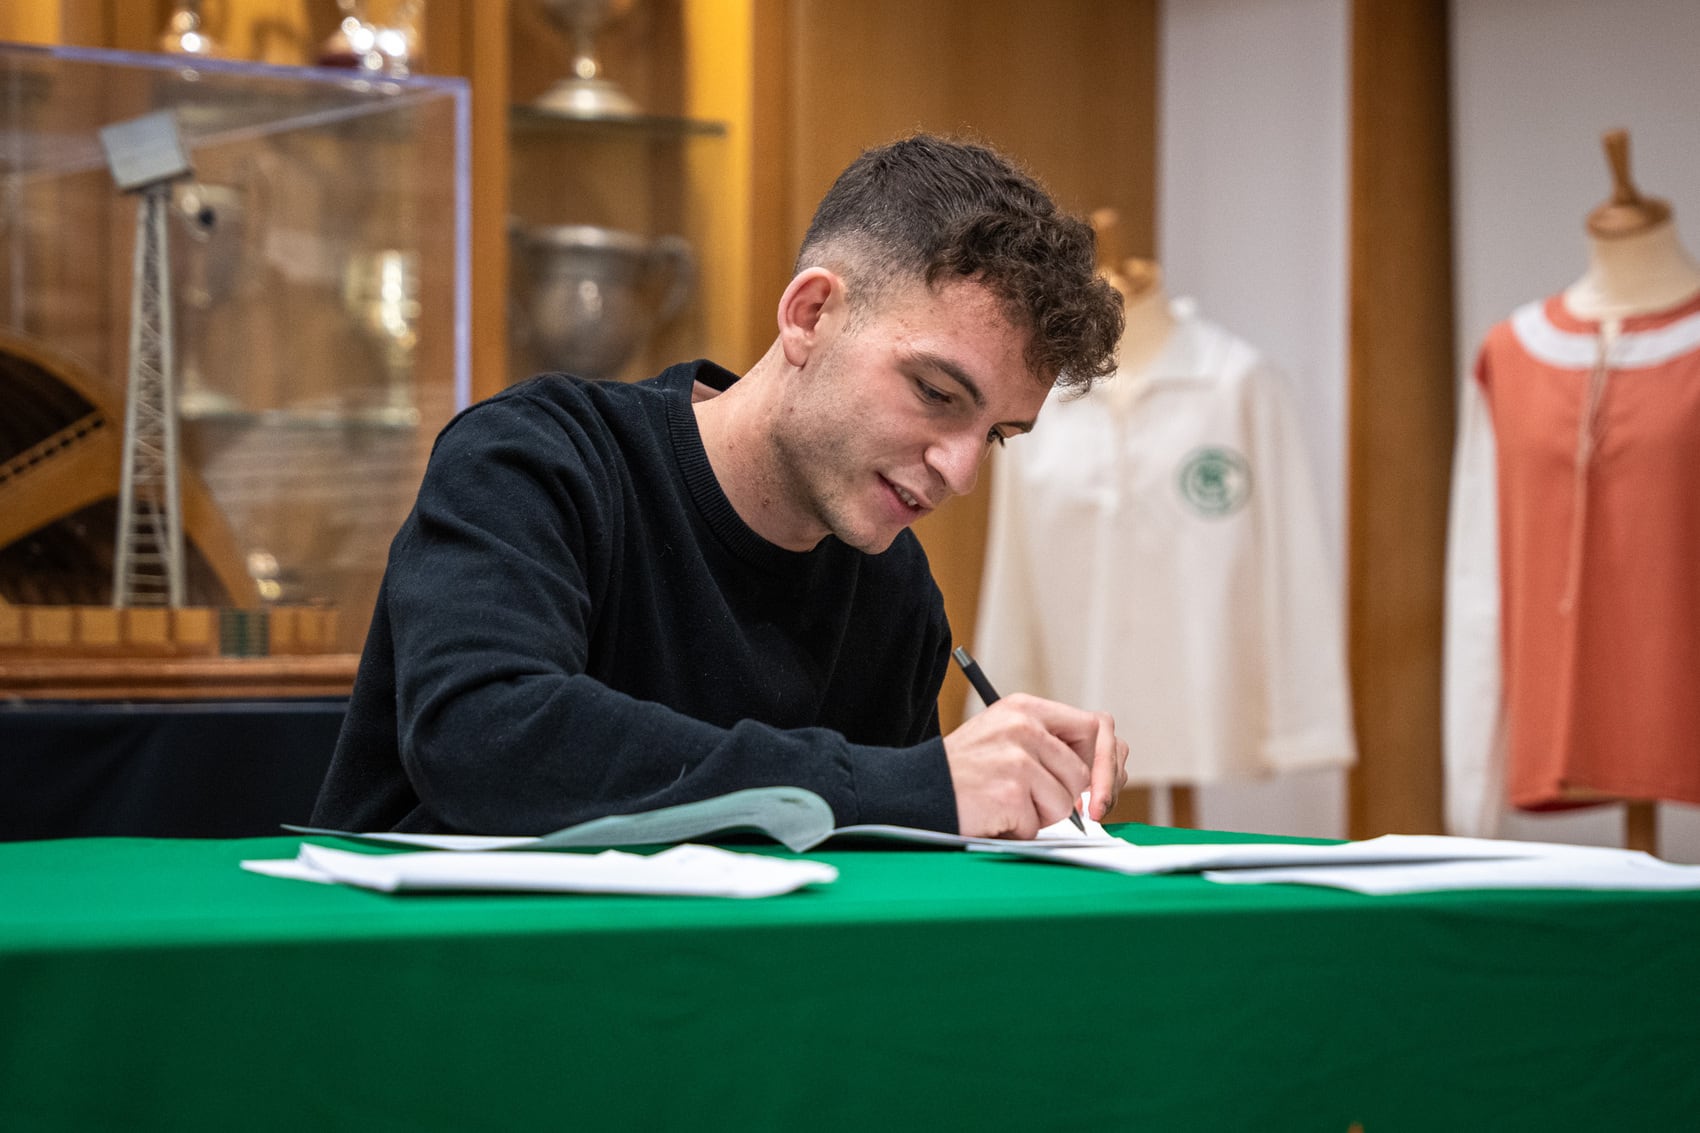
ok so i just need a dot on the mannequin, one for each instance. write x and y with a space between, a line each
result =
1636 266
1636 263
1563 680
1150 318
1633 275
1156 549
1145 304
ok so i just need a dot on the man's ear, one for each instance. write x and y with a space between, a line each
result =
811 310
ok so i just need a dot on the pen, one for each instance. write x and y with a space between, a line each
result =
988 696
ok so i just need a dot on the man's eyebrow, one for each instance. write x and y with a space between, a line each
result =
963 378
949 367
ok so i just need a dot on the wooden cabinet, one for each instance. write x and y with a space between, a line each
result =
800 86
689 62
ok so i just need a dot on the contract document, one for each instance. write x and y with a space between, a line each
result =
1607 869
1392 863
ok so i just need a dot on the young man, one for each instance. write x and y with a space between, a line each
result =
615 597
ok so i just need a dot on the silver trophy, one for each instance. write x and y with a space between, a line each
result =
586 93
586 299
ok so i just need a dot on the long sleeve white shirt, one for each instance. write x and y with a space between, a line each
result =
1156 551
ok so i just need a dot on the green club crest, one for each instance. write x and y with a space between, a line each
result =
1215 482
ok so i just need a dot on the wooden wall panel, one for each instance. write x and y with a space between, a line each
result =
1401 407
30 22
773 247
1067 87
470 39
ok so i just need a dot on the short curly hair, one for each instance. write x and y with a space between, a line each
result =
930 208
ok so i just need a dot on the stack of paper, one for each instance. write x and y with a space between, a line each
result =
801 820
796 818
683 871
1392 863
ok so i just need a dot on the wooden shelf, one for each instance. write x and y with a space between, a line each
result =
178 678
650 126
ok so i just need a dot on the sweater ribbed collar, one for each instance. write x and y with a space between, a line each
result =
711 502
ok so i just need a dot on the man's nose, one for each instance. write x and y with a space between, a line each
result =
956 458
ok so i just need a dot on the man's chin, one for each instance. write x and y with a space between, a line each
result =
870 542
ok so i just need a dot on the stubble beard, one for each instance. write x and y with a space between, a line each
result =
820 469
820 472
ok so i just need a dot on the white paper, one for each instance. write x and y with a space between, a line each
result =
294 869
1632 870
687 870
1392 863
1126 857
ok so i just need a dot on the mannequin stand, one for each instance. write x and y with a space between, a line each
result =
1135 805
1641 826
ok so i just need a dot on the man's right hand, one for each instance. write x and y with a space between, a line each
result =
1022 764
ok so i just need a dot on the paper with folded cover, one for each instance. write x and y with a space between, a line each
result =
797 819
1392 863
683 871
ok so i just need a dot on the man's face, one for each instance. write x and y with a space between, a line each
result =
888 419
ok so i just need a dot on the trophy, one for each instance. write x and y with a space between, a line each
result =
585 93
385 49
381 290
185 31
586 299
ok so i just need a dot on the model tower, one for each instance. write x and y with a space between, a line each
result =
146 155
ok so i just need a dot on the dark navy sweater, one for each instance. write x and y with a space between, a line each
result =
574 622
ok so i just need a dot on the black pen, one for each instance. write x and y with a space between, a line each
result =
988 697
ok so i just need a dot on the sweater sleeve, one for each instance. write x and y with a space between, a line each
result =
493 599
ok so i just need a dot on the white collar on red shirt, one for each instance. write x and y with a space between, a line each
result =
1577 345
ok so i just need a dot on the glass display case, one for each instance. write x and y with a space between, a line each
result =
298 296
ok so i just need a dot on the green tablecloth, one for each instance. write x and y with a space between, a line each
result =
153 985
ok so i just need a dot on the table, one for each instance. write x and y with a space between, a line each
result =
151 984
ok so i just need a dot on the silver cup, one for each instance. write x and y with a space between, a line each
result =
586 299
